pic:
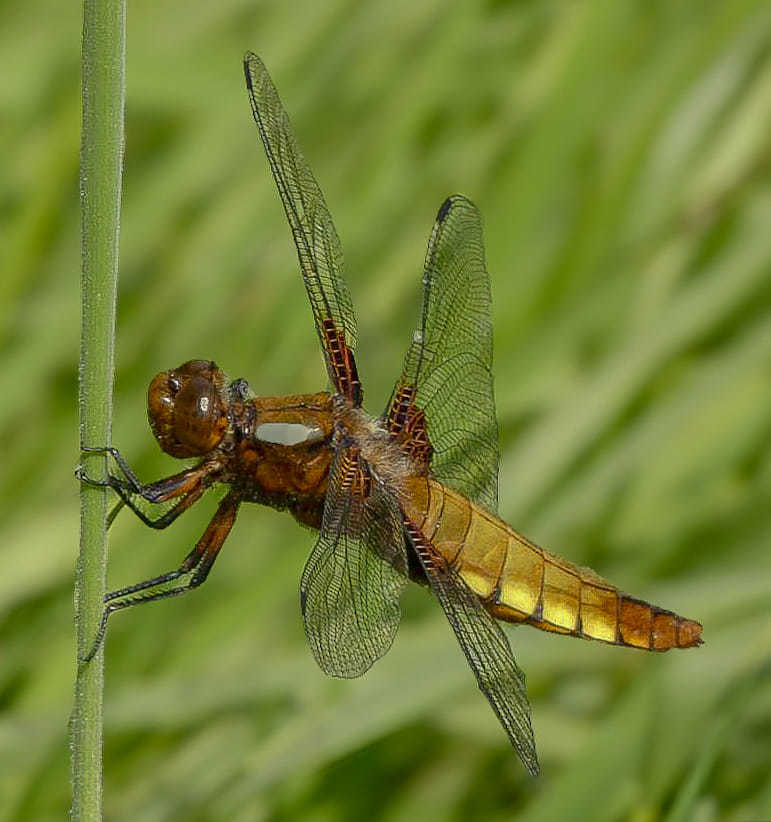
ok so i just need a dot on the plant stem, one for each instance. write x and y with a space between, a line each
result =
103 71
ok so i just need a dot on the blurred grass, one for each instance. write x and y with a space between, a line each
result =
619 154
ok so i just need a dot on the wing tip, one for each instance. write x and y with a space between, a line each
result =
252 61
444 208
248 57
450 202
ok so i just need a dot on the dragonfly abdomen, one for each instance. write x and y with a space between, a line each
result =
520 582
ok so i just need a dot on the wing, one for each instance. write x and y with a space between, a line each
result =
318 246
349 593
485 646
442 409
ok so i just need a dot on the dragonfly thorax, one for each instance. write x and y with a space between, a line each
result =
388 460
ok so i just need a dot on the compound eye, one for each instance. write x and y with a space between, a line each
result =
200 420
186 410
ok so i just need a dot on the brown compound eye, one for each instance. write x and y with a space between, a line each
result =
186 411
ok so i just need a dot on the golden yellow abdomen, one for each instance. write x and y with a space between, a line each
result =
519 582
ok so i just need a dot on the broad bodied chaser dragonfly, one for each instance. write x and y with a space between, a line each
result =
408 495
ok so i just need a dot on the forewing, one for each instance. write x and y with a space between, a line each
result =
446 387
486 648
349 593
318 246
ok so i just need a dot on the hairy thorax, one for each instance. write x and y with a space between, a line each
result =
385 458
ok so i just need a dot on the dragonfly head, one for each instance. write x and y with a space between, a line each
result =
186 409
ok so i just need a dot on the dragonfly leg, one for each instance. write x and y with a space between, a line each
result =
164 520
197 563
189 485
131 478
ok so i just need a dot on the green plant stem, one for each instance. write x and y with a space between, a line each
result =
103 60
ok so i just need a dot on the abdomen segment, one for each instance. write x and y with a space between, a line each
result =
519 582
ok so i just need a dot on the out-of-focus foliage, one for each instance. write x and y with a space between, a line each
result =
619 152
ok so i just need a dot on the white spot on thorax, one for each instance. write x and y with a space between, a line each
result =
287 433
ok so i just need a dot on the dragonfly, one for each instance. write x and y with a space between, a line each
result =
410 495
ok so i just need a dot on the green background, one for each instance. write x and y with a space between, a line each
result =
619 153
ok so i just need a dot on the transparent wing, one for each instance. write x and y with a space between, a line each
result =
445 392
486 649
349 593
318 246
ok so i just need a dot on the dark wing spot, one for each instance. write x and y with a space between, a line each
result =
443 209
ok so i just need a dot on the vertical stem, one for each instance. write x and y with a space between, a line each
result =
103 61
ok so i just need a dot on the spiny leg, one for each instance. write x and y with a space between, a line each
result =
189 485
164 520
198 563
160 491
131 477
